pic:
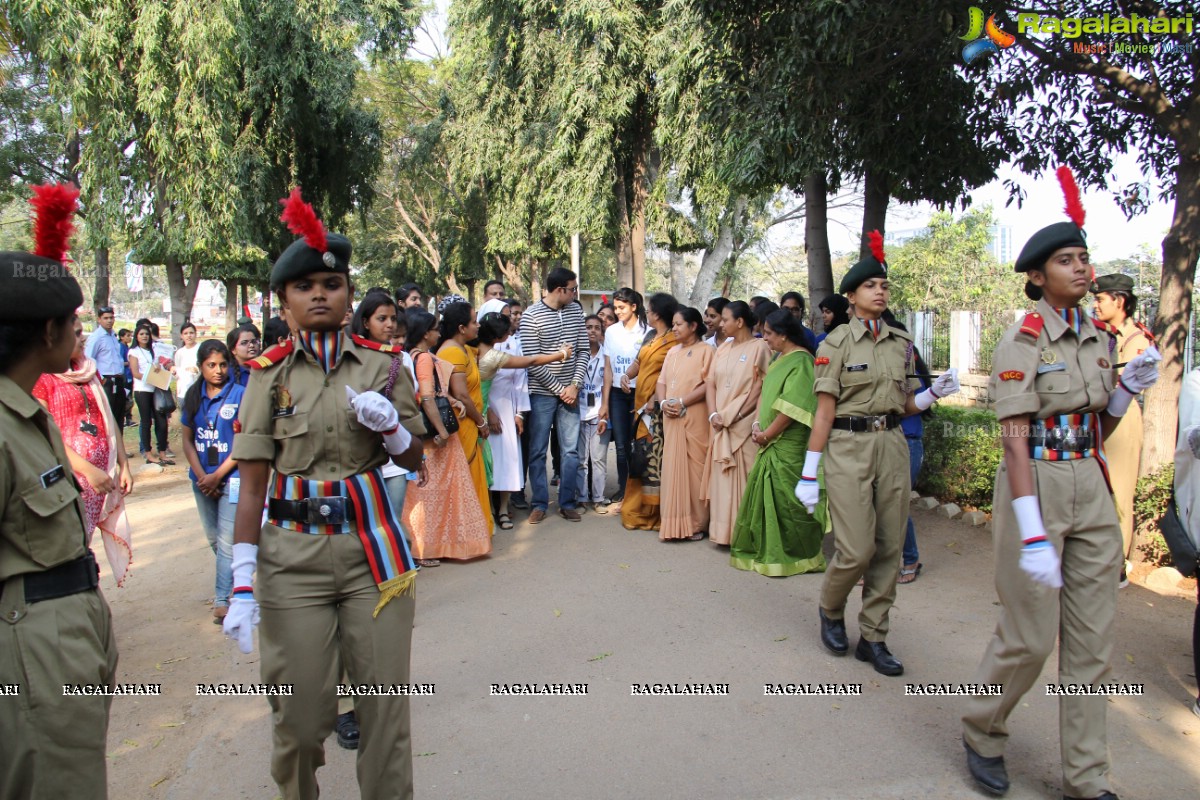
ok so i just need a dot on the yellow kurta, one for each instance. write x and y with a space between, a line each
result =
468 434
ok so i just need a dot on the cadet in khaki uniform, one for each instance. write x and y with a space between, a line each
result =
863 389
55 627
1057 542
1115 305
335 577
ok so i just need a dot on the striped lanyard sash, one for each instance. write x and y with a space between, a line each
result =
375 521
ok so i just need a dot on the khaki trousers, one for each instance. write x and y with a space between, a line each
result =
1081 523
51 746
867 480
1123 448
317 596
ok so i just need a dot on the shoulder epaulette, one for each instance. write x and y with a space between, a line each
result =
1032 324
273 356
1145 331
370 345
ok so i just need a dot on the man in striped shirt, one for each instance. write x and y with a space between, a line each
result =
554 390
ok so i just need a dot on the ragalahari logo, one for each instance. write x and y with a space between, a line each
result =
984 38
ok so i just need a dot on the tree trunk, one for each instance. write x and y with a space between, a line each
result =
677 277
535 282
265 288
231 314
876 194
243 300
716 256
100 292
641 194
816 238
1180 250
624 242
182 292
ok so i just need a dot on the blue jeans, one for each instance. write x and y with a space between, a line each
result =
397 489
916 454
546 411
216 515
620 423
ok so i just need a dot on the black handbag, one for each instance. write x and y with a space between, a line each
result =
1183 549
164 402
639 458
445 411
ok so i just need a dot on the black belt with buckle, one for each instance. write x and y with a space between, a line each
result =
73 577
1065 439
861 424
312 510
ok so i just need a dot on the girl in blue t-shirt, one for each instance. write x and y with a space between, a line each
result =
209 419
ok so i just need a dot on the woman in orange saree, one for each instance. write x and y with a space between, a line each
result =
640 508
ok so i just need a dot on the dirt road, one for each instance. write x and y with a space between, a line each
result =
592 603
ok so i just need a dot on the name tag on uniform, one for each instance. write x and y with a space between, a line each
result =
53 476
856 367
1058 366
742 359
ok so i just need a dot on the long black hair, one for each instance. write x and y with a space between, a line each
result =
375 300
493 327
632 298
419 322
190 405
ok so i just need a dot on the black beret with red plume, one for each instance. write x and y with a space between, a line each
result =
37 286
872 266
316 251
1053 237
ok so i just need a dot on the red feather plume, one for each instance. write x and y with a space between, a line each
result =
1074 207
875 239
54 206
303 221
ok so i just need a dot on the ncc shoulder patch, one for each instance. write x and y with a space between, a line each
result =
1012 375
370 345
273 356
822 361
1032 324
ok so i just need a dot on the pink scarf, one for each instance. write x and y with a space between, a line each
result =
113 524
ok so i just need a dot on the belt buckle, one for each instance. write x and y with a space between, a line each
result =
326 510
878 423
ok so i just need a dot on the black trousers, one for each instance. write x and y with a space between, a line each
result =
114 390
147 413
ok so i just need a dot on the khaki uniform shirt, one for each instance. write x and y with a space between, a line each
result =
867 376
1055 374
42 522
1130 342
298 418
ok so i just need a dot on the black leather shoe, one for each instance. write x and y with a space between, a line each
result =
989 773
880 657
833 634
1105 796
347 731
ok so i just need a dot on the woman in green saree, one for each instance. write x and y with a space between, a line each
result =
774 535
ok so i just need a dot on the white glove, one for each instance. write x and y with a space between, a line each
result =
944 385
1193 440
1039 559
374 411
1142 370
808 490
243 612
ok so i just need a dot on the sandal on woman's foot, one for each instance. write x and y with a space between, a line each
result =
909 573
219 613
698 536
428 562
505 522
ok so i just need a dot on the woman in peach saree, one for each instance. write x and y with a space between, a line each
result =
686 432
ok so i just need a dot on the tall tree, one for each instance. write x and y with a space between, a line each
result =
1079 101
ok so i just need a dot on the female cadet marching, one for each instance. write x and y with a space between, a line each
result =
1056 537
864 385
55 627
335 577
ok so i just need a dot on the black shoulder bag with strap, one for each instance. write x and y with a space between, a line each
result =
445 411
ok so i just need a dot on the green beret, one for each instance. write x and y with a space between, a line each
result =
300 259
1043 244
1112 283
34 288
864 270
